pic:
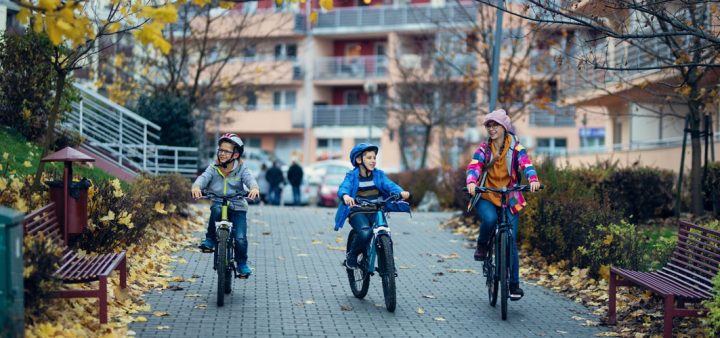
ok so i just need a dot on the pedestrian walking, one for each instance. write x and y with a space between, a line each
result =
295 177
274 178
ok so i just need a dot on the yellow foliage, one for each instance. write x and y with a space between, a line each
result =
313 17
227 4
326 4
608 239
202 3
21 205
109 217
27 164
604 272
160 208
3 183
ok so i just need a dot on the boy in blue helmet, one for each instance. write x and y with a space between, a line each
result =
369 183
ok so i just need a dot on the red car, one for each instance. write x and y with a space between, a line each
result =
327 190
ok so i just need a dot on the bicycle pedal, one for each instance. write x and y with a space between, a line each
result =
515 299
242 276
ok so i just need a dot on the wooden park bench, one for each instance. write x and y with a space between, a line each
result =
74 267
686 278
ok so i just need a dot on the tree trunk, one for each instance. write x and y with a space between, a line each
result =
426 144
696 165
403 145
50 131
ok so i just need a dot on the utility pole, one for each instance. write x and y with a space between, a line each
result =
496 55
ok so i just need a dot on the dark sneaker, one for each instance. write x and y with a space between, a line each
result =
516 292
207 245
480 253
351 262
244 270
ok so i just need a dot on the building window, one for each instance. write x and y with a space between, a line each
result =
286 51
250 100
250 51
592 137
552 146
328 148
284 99
252 142
352 97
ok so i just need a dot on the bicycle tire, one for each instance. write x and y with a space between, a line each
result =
492 280
229 271
222 265
359 278
504 250
386 262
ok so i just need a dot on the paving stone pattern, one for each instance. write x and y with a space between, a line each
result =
299 288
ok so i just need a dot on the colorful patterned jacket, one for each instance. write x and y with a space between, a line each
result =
516 159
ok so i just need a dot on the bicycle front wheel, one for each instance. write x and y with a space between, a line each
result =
229 271
504 260
491 271
222 264
386 264
359 278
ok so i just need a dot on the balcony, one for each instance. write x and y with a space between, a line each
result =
349 116
552 116
355 68
636 58
353 20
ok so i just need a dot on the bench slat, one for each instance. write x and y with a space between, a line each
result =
81 266
694 265
693 244
658 283
685 283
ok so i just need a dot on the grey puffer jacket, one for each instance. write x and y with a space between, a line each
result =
240 179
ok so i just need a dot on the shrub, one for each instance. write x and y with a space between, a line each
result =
449 190
67 138
173 114
41 258
27 80
613 244
710 188
117 219
641 193
713 306
417 182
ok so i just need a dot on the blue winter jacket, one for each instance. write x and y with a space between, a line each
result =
350 187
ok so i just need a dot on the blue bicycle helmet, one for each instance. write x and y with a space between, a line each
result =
359 149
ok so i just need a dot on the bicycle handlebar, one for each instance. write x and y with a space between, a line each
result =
379 202
504 189
243 194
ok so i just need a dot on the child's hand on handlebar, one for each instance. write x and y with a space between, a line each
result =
196 192
534 186
405 195
471 189
349 201
254 194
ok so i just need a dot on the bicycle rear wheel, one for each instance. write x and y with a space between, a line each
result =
222 264
504 260
386 264
359 278
491 271
230 269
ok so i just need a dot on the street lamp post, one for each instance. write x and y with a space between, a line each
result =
371 90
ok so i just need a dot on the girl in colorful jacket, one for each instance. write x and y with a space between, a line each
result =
496 164
367 182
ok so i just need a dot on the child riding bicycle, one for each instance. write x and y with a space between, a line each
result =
496 164
368 183
228 176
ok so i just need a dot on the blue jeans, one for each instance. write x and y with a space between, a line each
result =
296 194
239 230
362 224
274 195
488 214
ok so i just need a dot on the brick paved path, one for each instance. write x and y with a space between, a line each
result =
300 289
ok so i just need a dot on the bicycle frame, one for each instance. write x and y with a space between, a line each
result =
225 224
380 228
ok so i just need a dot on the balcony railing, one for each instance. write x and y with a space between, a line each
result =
552 115
349 115
385 18
639 59
344 67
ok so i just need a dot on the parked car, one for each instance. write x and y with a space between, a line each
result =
318 170
327 190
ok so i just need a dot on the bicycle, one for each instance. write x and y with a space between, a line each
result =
380 246
496 266
224 257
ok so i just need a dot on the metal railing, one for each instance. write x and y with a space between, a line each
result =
349 115
552 115
634 57
385 18
346 67
119 135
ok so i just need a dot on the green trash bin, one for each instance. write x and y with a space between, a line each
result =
11 273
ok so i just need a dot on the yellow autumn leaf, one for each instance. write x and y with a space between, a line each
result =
313 17
161 314
160 208
3 183
608 239
21 205
171 208
6 156
28 270
125 218
140 319
201 3
16 184
326 4
27 164
109 217
604 272
23 16
113 27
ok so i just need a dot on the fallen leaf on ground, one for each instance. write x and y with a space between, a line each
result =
200 306
162 327
462 270
140 319
439 319
161 314
345 307
266 233
608 334
420 311
316 241
309 302
303 255
337 248
429 296
192 295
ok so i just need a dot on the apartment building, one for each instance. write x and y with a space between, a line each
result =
632 119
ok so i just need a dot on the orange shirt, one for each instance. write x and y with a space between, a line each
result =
497 175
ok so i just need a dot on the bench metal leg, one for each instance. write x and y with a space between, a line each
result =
612 291
669 314
123 273
103 300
